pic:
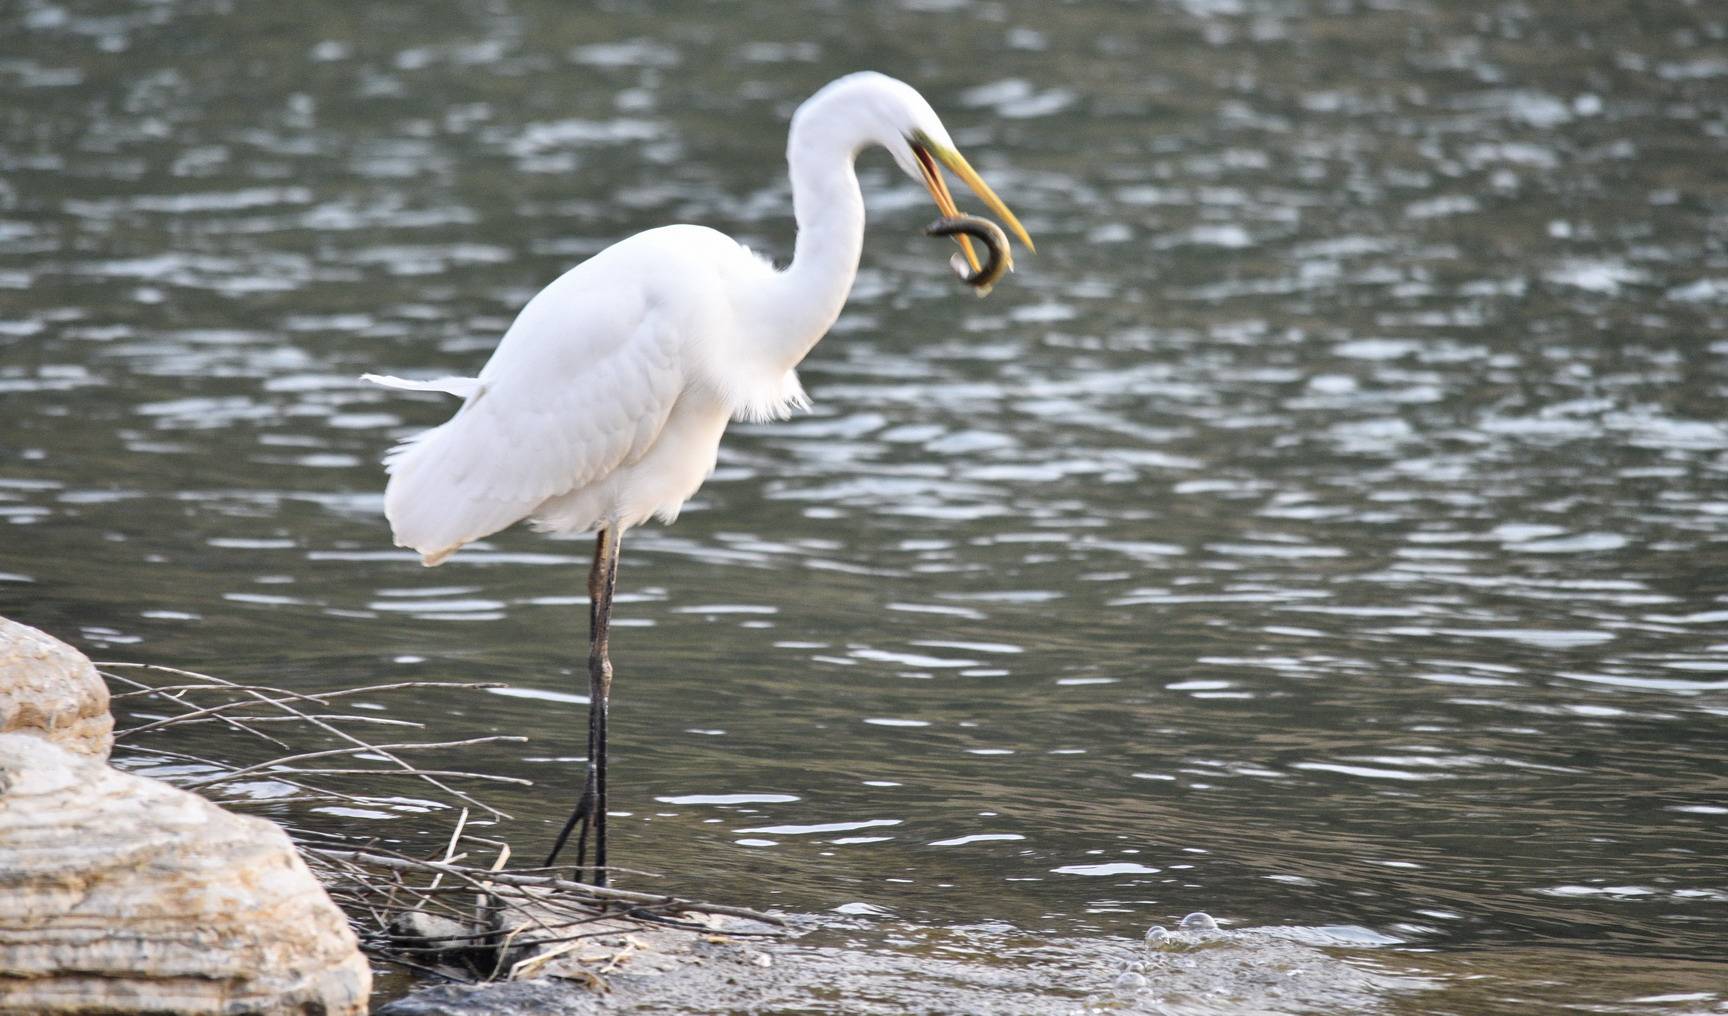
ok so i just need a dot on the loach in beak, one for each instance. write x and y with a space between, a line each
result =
929 155
1001 260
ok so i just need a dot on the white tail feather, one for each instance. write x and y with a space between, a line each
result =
417 500
431 510
461 387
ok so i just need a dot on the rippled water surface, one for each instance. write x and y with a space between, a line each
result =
1326 527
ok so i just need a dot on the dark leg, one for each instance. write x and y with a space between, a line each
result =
600 690
590 811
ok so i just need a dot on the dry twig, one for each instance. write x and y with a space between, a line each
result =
499 922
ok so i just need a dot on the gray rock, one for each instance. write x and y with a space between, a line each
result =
119 894
49 689
508 998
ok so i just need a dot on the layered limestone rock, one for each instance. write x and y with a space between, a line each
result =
49 689
121 894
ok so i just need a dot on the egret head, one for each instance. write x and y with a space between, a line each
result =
884 111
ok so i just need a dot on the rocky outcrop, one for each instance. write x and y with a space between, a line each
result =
49 689
121 894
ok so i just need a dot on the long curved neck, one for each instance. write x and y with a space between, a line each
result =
805 299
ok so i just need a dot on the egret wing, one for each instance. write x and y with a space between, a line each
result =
564 402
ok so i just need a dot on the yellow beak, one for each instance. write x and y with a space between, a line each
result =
928 155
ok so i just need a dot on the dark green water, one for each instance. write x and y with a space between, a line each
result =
1327 528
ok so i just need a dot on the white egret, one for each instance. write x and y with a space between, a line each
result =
604 402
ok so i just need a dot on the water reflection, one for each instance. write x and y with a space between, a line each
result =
1323 528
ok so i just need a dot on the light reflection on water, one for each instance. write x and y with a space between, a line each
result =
1324 527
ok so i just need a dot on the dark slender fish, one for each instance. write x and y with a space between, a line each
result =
1001 260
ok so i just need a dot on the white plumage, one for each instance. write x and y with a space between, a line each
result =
604 403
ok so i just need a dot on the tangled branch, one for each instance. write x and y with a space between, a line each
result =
434 915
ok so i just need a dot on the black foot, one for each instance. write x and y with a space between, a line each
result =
580 821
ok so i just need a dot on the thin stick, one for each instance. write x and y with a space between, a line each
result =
209 713
549 882
497 912
170 691
236 724
408 771
209 681
321 792
218 684
170 695
322 725
189 718
450 848
281 763
344 735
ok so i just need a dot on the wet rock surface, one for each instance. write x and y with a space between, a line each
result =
623 966
121 894
50 689
514 998
894 968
